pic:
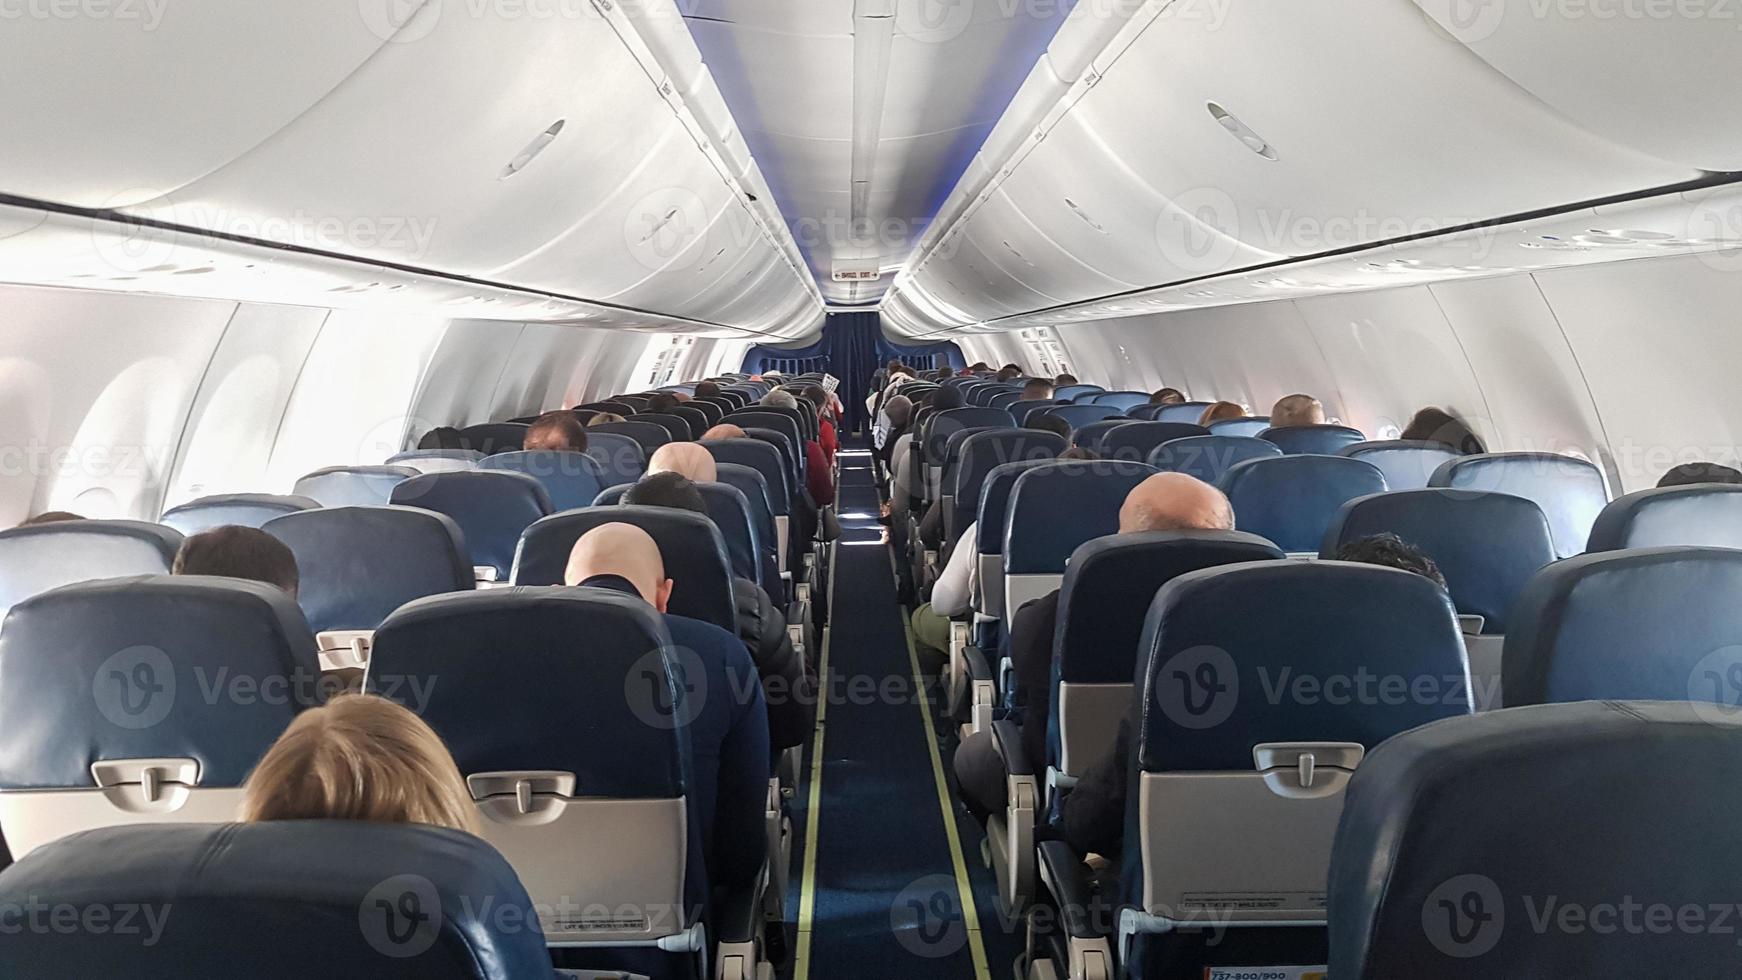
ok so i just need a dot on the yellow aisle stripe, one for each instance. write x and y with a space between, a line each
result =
807 899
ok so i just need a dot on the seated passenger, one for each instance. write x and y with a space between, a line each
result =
1293 410
819 479
560 431
1222 412
1038 390
1439 425
1392 552
707 389
1168 396
1688 474
662 403
1065 379
819 396
53 517
1164 502
1049 423
442 437
686 459
605 418
725 430
786 679
238 552
728 724
359 757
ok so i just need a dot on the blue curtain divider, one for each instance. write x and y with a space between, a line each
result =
852 348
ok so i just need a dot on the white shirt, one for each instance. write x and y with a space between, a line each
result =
952 593
901 469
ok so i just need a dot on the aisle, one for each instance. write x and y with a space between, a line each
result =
882 893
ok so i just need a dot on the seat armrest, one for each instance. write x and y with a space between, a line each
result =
982 690
1007 739
1066 877
738 913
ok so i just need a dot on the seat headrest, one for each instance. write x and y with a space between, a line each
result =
495 437
150 667
760 456
244 509
1124 401
437 460
357 564
674 425
1077 416
1110 583
353 486
1136 440
984 451
1068 392
492 508
570 680
1322 440
1094 435
1651 624
570 479
994 506
952 452
1209 458
1570 491
1704 514
1250 426
1408 464
750 482
691 545
39 557
282 900
1059 505
1183 412
1487 545
1461 841
1292 499
619 457
647 435
1287 651
941 426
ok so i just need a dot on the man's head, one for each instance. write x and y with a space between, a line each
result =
238 552
625 551
1392 552
943 374
1175 502
1168 396
1297 410
559 431
899 409
1038 390
817 395
945 399
1008 372
1065 379
604 418
1048 423
662 403
779 398
1688 474
1222 412
52 517
686 459
672 490
707 389
725 430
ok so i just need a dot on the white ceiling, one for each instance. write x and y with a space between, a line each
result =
793 71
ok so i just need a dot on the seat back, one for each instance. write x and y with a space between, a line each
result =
1094 435
646 435
1021 410
437 460
762 457
1408 464
991 515
620 457
1459 838
1570 491
1134 441
982 452
495 437
730 510
1318 440
1068 393
492 508
143 700
570 479
1103 601
1209 458
1653 624
358 564
711 411
993 396
38 557
278 900
1707 515
1183 412
754 487
1077 416
698 419
352 486
767 418
691 545
940 427
1251 426
1053 509
243 509
1124 401
508 679
1267 683
1292 499
674 425
789 455
612 406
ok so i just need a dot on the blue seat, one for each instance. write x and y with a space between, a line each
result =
1570 491
1093 436
1077 416
1003 399
1407 464
1707 514
1319 440
492 509
491 438
1465 845
763 417
1292 500
242 509
357 564
1209 458
983 452
279 900
561 709
674 425
1252 426
1068 393
570 479
37 557
789 456
754 487
437 460
1083 398
1054 508
1146 412
621 459
762 457
352 486
1487 545
730 511
143 700
992 515
1267 684
1653 624
941 426
1020 410
646 435
1124 401
691 545
1135 441
1183 412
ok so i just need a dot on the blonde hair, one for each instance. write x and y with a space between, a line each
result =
605 418
360 757
1222 411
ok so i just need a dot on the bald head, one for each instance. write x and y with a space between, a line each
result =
1297 410
687 459
625 551
1175 502
723 431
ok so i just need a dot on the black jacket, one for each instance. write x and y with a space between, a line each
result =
787 685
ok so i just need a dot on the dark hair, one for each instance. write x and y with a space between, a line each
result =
707 389
947 398
667 489
662 403
1078 452
1065 379
817 395
1439 425
979 366
1689 474
1048 423
1037 385
1392 552
1162 397
53 517
1009 372
442 437
559 431
238 552
943 374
